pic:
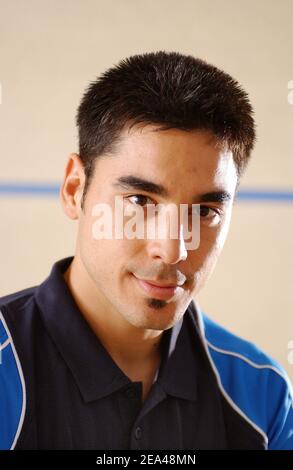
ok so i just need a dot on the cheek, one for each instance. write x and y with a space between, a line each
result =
204 258
203 264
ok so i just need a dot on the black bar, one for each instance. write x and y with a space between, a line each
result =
125 459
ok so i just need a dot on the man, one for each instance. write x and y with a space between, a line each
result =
112 351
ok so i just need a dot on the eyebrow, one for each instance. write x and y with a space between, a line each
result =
136 183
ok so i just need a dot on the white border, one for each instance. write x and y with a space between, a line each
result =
3 345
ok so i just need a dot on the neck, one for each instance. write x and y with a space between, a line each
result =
129 346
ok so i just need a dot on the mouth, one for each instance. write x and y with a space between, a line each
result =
163 291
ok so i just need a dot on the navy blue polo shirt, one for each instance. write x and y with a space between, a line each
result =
64 391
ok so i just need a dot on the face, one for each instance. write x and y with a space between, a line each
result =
184 168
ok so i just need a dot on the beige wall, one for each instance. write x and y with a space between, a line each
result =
50 50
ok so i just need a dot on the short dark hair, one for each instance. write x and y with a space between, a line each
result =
166 88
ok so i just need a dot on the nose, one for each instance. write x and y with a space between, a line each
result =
171 249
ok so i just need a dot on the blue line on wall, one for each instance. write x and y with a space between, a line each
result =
255 195
29 189
52 190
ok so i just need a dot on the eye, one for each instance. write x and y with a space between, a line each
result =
209 215
205 211
140 199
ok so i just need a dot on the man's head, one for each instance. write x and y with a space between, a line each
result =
169 89
157 128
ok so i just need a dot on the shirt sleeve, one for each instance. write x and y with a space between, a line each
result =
280 433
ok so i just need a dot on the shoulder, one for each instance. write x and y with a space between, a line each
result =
17 300
252 381
227 346
12 382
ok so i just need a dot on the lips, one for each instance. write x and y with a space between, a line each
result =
157 284
158 290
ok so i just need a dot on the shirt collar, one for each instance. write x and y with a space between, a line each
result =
95 372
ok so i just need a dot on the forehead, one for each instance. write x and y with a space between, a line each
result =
171 157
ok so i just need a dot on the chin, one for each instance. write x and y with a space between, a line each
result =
155 320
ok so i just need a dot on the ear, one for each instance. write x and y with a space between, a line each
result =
72 187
